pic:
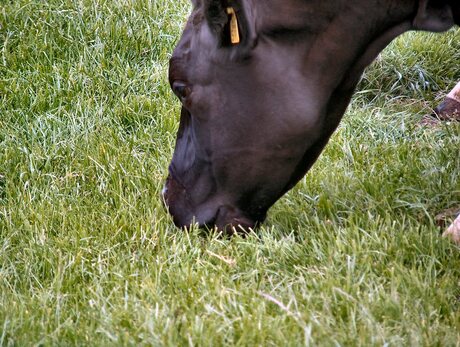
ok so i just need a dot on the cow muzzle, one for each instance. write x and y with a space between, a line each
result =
212 214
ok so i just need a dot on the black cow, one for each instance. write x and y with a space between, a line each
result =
263 85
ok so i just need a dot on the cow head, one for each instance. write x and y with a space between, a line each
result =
258 107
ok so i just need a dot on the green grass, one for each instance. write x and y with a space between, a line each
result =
88 256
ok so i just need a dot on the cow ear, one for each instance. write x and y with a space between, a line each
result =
229 21
434 16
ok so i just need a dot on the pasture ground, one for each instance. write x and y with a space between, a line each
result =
88 256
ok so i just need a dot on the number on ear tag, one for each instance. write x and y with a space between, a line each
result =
234 31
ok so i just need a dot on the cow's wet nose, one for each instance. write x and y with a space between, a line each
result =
176 202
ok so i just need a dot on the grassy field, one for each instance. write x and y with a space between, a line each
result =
88 256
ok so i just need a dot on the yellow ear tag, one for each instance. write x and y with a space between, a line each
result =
234 31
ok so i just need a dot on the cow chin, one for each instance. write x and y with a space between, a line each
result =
212 214
232 220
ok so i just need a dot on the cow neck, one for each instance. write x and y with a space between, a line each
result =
339 55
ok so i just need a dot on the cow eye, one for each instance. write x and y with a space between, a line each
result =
180 89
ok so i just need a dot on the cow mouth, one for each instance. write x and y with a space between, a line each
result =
231 220
210 215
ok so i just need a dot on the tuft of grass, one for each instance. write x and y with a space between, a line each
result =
416 66
88 255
